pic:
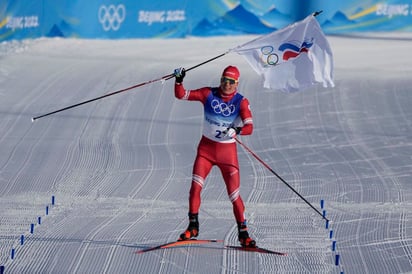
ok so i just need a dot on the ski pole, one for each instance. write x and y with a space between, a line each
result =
101 97
280 178
163 78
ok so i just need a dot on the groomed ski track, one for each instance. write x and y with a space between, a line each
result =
120 168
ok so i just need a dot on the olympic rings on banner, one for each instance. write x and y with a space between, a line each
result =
269 58
111 17
272 59
222 108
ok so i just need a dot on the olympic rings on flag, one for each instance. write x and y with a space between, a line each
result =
111 17
271 58
222 108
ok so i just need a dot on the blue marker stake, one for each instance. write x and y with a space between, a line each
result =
31 228
333 245
12 254
22 240
337 259
322 204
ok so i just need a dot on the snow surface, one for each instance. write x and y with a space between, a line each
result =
120 168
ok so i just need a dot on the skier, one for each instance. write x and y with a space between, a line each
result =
226 114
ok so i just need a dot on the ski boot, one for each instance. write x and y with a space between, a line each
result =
192 230
244 239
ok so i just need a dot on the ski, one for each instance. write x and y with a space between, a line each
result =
177 244
199 242
255 249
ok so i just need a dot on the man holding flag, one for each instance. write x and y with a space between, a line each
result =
291 59
226 114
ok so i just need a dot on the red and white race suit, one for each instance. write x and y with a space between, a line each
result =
220 113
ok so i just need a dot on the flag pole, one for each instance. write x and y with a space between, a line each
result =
101 97
163 78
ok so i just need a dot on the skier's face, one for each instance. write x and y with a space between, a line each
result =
228 85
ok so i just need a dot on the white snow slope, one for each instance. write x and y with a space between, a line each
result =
120 168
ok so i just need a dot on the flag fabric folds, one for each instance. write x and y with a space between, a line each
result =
293 58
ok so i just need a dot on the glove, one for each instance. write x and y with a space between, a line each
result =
179 74
231 132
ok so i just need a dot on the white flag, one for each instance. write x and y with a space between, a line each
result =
293 58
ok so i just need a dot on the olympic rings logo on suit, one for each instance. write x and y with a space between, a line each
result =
222 108
111 17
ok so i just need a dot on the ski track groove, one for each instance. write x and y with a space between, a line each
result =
113 249
360 199
104 156
83 248
135 191
155 197
376 164
112 252
404 237
27 102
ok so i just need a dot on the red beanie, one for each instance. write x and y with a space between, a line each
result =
231 72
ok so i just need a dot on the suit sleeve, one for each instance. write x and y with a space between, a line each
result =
191 95
246 116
